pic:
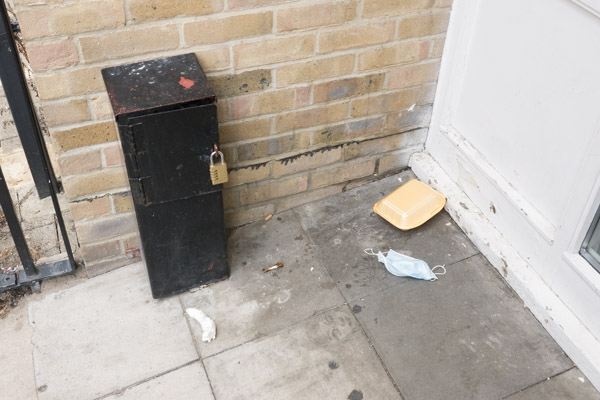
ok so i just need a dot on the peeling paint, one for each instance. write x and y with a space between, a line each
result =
465 176
504 267
186 83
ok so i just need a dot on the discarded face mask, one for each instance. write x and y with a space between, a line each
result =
401 265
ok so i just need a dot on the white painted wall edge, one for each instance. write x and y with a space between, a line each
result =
592 6
575 339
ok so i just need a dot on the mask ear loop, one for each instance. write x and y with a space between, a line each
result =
439 266
370 252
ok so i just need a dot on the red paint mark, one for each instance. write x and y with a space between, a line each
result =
210 267
186 83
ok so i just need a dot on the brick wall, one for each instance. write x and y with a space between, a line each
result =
314 95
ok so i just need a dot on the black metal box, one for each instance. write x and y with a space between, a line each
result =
167 118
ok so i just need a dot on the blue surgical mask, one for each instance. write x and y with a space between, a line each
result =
401 265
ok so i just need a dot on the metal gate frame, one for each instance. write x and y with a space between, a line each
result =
30 134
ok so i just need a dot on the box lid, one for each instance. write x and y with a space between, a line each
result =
157 84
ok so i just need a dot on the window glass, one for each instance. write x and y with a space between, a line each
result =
590 250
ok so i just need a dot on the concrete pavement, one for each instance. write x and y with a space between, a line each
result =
330 324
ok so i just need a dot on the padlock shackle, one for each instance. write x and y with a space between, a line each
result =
220 155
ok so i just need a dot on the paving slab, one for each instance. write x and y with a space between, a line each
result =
106 334
324 357
16 361
571 385
465 336
189 383
251 303
344 225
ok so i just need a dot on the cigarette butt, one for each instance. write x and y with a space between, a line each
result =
271 268
268 217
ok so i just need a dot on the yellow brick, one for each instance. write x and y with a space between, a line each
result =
95 182
89 209
314 160
427 94
384 103
100 106
273 146
384 8
419 117
443 3
345 172
229 151
233 132
132 242
214 59
65 113
52 55
349 131
129 42
302 97
143 10
262 103
423 25
399 53
113 156
273 190
395 161
223 111
437 47
243 216
312 117
350 87
80 163
313 70
241 83
122 202
103 132
361 36
313 16
105 228
248 175
75 17
100 251
69 83
228 28
273 51
413 75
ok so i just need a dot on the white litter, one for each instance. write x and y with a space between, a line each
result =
581 379
209 329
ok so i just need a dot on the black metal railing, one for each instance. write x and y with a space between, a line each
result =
30 134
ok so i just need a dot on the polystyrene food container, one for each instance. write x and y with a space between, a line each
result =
411 205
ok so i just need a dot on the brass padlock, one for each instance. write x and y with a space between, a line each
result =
218 173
